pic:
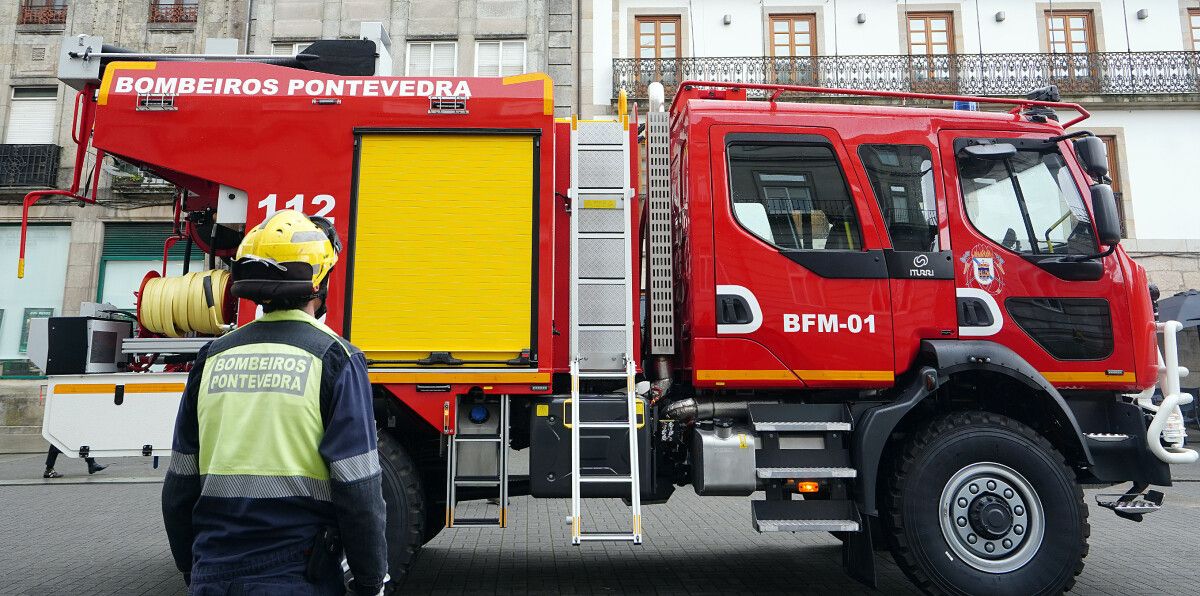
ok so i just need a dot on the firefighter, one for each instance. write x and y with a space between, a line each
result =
275 443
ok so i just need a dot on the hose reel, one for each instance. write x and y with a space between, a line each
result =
198 302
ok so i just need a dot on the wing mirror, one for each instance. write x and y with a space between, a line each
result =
991 152
1104 208
1093 155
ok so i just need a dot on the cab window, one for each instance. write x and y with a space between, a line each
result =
793 196
1028 202
902 178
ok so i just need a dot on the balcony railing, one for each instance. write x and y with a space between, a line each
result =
166 11
28 165
41 12
1107 73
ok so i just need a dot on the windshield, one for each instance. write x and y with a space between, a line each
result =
1028 203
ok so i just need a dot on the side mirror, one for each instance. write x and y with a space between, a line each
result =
991 152
1093 155
1104 208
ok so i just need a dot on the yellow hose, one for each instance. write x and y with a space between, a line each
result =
176 306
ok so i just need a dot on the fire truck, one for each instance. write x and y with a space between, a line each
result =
912 327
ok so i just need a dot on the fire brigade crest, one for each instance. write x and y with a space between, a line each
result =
983 269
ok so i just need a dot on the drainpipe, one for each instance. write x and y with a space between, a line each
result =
249 24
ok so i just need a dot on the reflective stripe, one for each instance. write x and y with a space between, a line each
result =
265 487
184 464
364 465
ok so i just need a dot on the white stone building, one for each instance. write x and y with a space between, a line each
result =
1132 63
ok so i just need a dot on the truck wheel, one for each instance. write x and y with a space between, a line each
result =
405 507
982 504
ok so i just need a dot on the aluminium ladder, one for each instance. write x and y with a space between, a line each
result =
479 471
602 301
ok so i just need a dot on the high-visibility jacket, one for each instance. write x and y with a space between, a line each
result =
275 439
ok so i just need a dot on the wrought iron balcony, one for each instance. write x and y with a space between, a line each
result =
42 12
172 11
1106 73
29 165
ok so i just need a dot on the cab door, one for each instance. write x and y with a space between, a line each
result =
801 292
1027 270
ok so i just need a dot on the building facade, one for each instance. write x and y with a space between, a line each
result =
1134 65
89 253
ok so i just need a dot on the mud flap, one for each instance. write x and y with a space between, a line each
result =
858 552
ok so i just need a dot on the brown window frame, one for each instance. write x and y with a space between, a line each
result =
1089 28
1193 28
793 69
790 19
927 16
658 20
1114 174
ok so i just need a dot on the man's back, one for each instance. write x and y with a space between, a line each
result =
275 437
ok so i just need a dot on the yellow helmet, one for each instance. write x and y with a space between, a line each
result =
287 256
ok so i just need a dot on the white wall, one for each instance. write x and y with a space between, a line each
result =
1160 149
840 33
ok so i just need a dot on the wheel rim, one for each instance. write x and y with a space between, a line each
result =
992 517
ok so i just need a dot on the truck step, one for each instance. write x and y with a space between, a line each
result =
803 463
804 516
800 417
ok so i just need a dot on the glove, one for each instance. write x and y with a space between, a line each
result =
358 590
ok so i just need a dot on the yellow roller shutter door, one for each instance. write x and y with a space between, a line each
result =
443 248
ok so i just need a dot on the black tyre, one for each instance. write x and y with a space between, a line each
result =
982 504
405 507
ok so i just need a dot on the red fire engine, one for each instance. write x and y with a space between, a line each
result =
912 327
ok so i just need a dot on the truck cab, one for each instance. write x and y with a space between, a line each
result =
824 243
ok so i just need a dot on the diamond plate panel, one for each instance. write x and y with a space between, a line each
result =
602 349
602 304
601 168
602 258
602 220
601 133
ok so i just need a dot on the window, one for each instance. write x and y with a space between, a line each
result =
793 35
902 179
794 49
658 37
1114 172
432 59
792 196
31 116
42 12
1070 32
174 11
499 58
34 296
1028 203
1193 25
132 250
930 33
290 48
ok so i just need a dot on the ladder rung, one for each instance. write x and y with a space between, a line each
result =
602 375
469 439
605 424
598 536
475 482
606 479
485 522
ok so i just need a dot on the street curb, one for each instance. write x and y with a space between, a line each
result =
48 481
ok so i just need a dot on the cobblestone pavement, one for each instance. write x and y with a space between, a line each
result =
106 537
